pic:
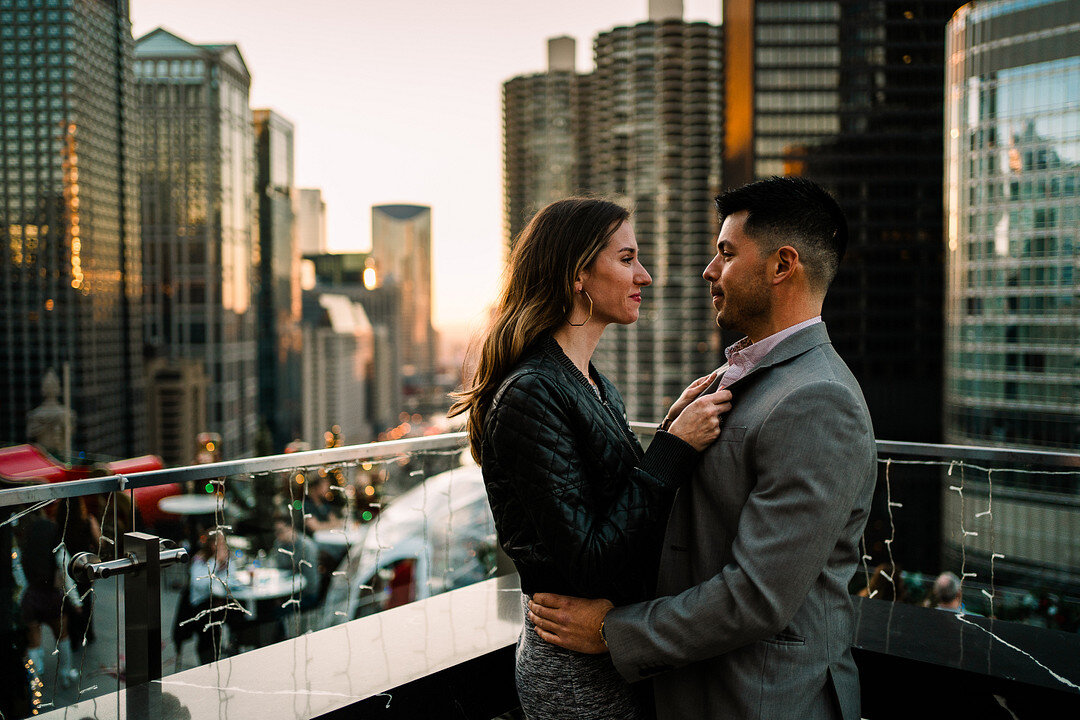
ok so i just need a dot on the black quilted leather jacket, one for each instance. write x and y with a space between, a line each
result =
578 506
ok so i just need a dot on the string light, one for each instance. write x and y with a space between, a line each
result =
892 530
994 555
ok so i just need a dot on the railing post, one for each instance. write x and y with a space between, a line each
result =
141 561
142 608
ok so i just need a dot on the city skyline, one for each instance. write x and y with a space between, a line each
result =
423 128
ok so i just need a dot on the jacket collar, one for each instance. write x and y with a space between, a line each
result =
551 347
799 343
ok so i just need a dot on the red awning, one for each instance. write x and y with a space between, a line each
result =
23 463
135 464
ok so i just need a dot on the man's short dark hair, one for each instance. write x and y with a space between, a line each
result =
792 211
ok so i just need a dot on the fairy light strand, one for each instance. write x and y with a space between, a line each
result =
889 504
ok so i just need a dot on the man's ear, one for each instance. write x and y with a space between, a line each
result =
787 260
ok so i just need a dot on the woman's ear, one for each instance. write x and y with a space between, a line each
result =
579 281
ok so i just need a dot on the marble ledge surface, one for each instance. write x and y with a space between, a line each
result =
333 668
979 645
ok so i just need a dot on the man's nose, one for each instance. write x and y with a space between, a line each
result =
712 270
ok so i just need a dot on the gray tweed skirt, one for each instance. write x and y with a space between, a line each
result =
556 684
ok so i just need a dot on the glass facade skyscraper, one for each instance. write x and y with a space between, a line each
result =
280 340
310 210
70 286
849 94
197 181
401 248
1013 212
354 275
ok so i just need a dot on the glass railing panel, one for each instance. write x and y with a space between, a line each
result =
1005 526
305 547
278 547
62 639
369 528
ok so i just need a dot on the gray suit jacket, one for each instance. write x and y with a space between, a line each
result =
753 617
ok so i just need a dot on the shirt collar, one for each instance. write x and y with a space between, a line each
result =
744 355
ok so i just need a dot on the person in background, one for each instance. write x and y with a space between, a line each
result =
81 533
200 611
324 515
43 601
298 554
886 583
947 593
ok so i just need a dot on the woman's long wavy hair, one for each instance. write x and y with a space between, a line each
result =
537 295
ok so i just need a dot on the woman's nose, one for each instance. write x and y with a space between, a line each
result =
643 278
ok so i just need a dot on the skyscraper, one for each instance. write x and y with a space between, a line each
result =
652 140
279 309
177 408
354 276
401 248
337 359
310 221
849 94
541 128
197 176
70 286
1012 201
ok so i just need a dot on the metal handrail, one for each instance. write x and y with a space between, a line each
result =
1042 458
382 450
247 466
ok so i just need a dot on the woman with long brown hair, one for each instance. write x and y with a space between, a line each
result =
578 506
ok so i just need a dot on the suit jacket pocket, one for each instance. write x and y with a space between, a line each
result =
786 637
732 434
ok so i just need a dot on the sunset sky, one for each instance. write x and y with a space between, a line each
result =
399 101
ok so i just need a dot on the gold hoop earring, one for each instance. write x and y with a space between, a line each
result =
574 324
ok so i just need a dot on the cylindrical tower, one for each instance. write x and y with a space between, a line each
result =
653 142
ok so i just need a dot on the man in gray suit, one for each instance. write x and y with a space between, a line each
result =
753 618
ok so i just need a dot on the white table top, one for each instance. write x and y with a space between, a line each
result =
191 504
260 584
